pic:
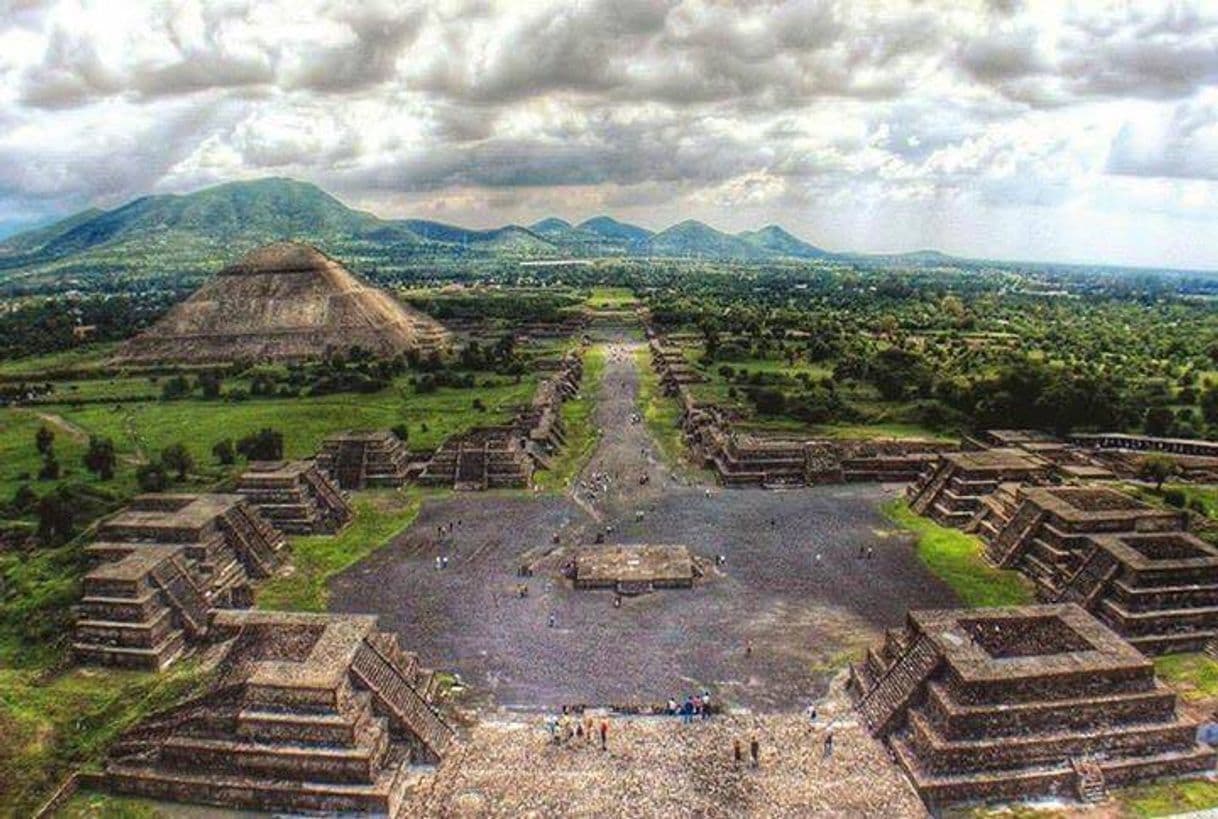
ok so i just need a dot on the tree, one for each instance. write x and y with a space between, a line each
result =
99 458
23 499
152 477
176 387
56 518
44 439
400 432
1157 468
50 467
209 383
1158 420
224 452
264 445
177 457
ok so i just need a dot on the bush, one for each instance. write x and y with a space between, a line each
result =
1175 497
152 477
50 467
100 458
224 452
264 445
177 457
400 432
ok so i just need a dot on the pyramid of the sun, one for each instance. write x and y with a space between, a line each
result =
283 301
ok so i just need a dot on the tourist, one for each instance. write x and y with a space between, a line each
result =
604 735
553 620
755 752
828 744
706 704
697 709
444 562
748 648
439 563
672 707
737 752
812 713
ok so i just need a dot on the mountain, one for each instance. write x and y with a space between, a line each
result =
773 240
609 228
183 238
693 238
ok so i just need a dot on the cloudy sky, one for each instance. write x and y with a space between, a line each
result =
1004 129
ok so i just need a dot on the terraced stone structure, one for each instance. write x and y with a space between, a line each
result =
284 301
296 497
364 459
673 367
956 490
307 712
634 568
1021 702
160 566
505 456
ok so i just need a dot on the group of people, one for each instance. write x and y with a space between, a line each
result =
568 728
695 706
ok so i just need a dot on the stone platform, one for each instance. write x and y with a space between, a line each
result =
957 488
634 569
160 566
1021 702
306 712
296 497
364 459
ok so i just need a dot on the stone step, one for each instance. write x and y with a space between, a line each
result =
142 634
1143 623
317 763
156 658
1174 643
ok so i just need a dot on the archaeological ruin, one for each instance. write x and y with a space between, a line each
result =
160 566
284 301
297 497
634 568
1020 702
302 713
364 459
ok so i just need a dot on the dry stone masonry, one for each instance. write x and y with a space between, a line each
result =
365 459
161 565
296 497
306 712
1020 702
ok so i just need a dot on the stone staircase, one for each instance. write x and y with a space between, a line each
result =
1089 783
1087 585
255 541
471 469
1008 545
187 600
889 698
927 494
392 692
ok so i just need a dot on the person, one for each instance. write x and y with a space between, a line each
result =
755 752
672 707
706 704
697 709
444 562
553 619
439 563
812 713
748 648
737 752
828 744
617 601
604 735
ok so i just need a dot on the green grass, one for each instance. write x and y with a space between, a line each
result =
661 413
78 357
957 559
1169 798
581 431
379 515
51 727
94 805
612 298
1194 676
149 426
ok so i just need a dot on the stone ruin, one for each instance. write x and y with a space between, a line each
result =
958 486
672 366
1068 461
285 301
303 712
160 566
1195 460
364 459
1020 702
634 568
505 456
295 496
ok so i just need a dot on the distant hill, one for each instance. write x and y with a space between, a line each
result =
187 237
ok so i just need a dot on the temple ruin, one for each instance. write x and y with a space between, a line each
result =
1021 702
365 459
160 565
295 496
505 456
303 712
957 487
284 301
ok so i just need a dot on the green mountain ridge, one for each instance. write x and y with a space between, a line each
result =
185 236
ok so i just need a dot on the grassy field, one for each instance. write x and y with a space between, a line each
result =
956 559
580 429
1168 798
611 298
53 726
379 515
661 414
87 356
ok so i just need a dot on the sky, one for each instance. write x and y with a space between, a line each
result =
1067 131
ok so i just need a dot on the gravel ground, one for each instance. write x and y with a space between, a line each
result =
793 587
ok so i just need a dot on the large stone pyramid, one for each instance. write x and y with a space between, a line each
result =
283 301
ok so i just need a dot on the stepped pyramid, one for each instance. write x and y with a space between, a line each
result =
306 713
284 301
